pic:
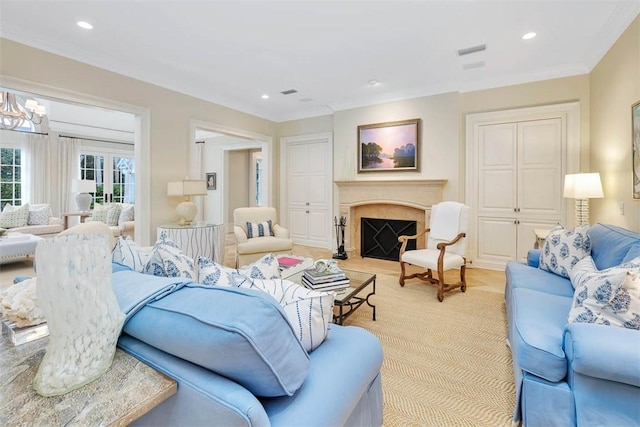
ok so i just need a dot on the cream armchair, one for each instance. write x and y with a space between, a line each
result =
250 244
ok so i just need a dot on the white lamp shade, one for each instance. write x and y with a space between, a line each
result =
83 186
187 187
583 186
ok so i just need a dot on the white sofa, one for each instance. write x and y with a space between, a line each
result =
124 227
53 226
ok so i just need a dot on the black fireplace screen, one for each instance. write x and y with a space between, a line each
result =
379 237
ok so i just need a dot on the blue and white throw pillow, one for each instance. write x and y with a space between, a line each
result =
14 216
39 214
309 312
564 248
168 260
259 230
211 273
129 253
606 297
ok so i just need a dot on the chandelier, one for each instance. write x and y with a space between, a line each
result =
13 115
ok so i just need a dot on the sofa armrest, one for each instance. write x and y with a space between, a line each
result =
241 236
55 221
605 352
127 226
533 258
280 232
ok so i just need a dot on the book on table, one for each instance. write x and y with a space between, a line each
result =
327 286
318 276
288 262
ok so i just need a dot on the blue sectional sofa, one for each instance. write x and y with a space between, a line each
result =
237 361
571 374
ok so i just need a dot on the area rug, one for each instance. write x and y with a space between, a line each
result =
445 363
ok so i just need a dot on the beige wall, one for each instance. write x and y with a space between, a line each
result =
170 112
615 86
239 182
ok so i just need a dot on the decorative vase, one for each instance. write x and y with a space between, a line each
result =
84 319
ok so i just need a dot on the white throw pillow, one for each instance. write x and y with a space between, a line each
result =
606 297
212 273
129 253
39 214
309 312
113 214
99 213
168 260
266 267
127 214
564 248
14 216
259 230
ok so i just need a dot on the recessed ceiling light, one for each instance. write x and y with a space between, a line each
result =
529 36
85 25
373 82
265 96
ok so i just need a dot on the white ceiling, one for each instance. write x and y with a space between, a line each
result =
232 52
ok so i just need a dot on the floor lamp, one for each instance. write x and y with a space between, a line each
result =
582 187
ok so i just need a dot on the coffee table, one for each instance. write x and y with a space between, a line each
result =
15 244
350 299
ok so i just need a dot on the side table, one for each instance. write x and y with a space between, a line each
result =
541 235
128 390
83 215
200 239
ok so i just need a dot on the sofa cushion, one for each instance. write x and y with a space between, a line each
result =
309 312
522 276
14 216
536 340
564 248
607 297
229 330
39 214
260 229
610 244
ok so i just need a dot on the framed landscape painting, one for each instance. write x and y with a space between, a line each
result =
635 141
389 147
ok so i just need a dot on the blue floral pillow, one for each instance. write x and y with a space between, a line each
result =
211 273
129 253
564 248
168 260
607 297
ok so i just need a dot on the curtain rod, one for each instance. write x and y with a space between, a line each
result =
24 131
97 140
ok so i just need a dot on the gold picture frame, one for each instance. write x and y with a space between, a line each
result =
389 146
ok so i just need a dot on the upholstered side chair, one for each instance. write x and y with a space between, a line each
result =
257 233
445 248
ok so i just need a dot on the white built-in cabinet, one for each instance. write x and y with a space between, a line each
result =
308 188
515 170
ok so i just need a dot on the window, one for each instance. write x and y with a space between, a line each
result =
114 174
10 176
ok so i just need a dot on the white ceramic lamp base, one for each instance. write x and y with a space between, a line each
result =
83 200
186 211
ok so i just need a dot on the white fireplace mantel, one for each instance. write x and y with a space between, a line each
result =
415 194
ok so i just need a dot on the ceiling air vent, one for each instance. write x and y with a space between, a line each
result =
473 65
472 49
289 92
305 100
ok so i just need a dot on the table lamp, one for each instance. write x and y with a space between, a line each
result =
187 210
83 187
582 187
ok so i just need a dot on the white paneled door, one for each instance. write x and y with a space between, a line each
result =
308 192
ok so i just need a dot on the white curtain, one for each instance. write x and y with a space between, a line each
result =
38 151
68 170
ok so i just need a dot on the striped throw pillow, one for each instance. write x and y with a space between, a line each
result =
259 230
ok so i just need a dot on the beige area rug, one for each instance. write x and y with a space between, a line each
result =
445 364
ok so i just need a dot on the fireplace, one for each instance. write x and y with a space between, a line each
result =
379 237
409 200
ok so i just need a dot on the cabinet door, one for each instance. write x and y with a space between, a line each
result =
496 240
540 168
497 152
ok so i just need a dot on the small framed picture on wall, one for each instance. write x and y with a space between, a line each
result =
211 181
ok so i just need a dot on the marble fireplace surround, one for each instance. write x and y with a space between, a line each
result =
398 199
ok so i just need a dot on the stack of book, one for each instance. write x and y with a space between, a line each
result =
325 280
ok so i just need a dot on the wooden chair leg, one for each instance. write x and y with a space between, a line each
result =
463 280
402 274
440 284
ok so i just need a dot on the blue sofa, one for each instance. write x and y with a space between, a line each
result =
571 374
237 361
